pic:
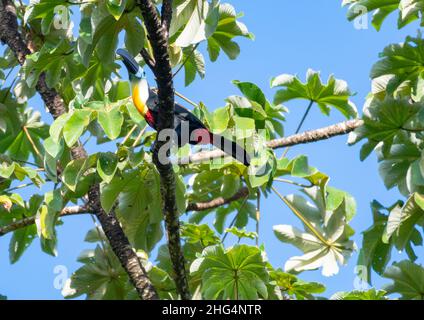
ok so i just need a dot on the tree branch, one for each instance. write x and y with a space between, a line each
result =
10 35
148 59
158 36
78 210
301 138
68 211
166 15
218 202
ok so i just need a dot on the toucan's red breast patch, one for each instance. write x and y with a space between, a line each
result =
150 119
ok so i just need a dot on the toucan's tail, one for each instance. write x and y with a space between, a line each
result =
231 148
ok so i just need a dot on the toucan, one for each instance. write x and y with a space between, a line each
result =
188 128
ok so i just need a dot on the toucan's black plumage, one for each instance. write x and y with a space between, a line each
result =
188 127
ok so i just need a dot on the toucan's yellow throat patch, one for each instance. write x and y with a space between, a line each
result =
140 95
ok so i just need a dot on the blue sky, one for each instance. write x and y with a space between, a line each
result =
291 36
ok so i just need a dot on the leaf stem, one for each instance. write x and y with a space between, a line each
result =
129 135
186 59
258 215
235 218
137 140
194 104
19 187
299 127
293 183
301 217
32 142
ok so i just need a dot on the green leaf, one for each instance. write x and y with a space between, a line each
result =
333 94
100 278
227 29
21 239
53 148
401 65
375 253
385 120
199 234
75 126
403 220
107 164
326 241
139 208
75 169
294 287
235 273
116 7
57 126
242 233
194 64
219 120
200 22
135 36
408 280
371 294
111 121
408 10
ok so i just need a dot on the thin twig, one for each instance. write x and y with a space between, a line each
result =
294 183
233 222
102 242
129 135
258 214
186 59
18 187
305 115
8 74
137 140
194 104
32 142
302 218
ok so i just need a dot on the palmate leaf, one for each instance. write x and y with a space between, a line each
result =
14 142
409 10
202 234
100 278
402 222
56 61
326 243
375 253
333 94
139 206
242 233
13 170
227 29
371 294
195 65
290 285
21 238
116 7
400 68
45 10
195 21
235 273
385 121
408 280
254 105
100 30
201 21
